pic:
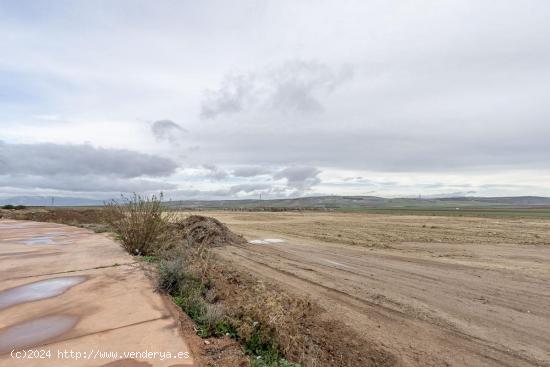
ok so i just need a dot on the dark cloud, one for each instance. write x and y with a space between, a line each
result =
87 183
300 178
81 168
46 159
295 86
167 130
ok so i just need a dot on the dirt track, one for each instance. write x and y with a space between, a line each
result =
430 303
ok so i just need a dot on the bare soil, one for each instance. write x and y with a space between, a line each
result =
431 291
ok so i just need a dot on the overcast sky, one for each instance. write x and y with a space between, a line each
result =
219 99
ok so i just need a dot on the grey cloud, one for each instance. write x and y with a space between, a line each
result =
167 130
81 168
301 178
46 159
298 85
215 173
229 98
250 171
294 86
87 183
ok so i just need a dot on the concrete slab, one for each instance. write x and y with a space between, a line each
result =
67 289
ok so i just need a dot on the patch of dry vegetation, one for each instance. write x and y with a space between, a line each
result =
93 218
142 223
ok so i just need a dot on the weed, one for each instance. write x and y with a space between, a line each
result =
150 258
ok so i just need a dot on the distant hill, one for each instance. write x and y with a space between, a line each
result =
366 202
314 202
47 201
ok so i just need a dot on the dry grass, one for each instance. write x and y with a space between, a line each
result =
59 215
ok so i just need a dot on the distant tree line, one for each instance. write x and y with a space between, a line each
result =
16 207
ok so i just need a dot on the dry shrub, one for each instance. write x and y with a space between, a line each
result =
214 314
142 223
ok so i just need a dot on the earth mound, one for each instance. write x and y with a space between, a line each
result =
210 232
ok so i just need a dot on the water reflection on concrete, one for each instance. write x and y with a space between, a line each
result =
38 290
35 332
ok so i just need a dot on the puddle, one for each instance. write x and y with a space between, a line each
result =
38 290
39 240
48 238
266 241
35 332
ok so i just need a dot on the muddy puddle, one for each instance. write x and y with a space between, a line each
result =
38 290
35 332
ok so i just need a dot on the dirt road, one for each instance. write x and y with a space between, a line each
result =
430 303
65 289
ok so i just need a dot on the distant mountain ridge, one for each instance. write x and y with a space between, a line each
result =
364 202
47 201
313 202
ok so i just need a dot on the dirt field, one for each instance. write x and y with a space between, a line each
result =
433 291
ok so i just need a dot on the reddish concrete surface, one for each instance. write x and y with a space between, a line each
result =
68 289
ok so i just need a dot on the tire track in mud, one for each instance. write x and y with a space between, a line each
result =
474 288
397 317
